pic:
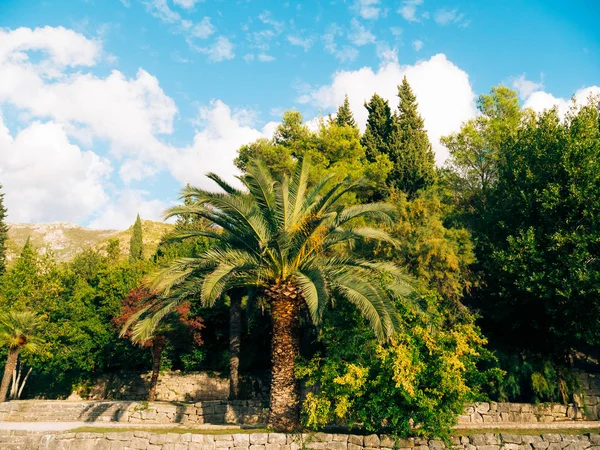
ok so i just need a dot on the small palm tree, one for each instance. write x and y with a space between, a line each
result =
19 332
289 241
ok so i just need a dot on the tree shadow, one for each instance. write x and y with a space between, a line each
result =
94 411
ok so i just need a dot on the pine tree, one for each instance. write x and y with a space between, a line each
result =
409 148
344 116
3 234
378 127
136 244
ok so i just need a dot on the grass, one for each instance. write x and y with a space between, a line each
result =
221 431
525 431
165 430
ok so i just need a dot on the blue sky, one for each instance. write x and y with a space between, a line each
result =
109 106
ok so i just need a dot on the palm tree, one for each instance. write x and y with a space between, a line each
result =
18 331
286 240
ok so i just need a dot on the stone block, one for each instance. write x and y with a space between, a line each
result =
354 446
482 407
511 438
371 441
277 438
340 438
387 441
259 438
551 437
241 439
555 446
356 439
436 445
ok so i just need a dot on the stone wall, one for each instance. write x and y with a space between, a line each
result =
493 412
172 386
142 440
238 412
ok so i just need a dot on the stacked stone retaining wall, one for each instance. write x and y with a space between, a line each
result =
142 440
238 412
171 387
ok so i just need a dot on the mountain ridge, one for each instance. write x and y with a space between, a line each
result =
67 239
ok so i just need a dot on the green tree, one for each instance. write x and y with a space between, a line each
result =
3 233
476 149
136 244
344 116
281 238
378 129
19 331
408 145
541 249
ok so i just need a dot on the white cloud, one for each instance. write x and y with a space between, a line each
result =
47 178
540 100
63 48
220 50
121 213
128 113
359 35
368 9
445 17
417 45
526 87
203 29
443 92
187 4
386 53
263 57
305 42
215 146
408 10
342 53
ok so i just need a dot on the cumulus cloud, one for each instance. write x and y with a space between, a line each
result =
417 44
48 178
526 87
215 145
443 91
121 213
540 100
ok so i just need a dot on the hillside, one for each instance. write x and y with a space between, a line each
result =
66 239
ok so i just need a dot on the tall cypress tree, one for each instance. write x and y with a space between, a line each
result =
409 147
378 128
3 233
136 244
344 116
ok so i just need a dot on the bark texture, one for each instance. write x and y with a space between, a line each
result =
235 332
158 343
11 364
285 408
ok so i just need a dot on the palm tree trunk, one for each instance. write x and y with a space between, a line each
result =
285 407
235 331
158 343
11 363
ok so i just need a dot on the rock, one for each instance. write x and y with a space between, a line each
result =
371 441
259 438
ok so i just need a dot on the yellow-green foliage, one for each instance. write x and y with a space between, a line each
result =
432 252
414 385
